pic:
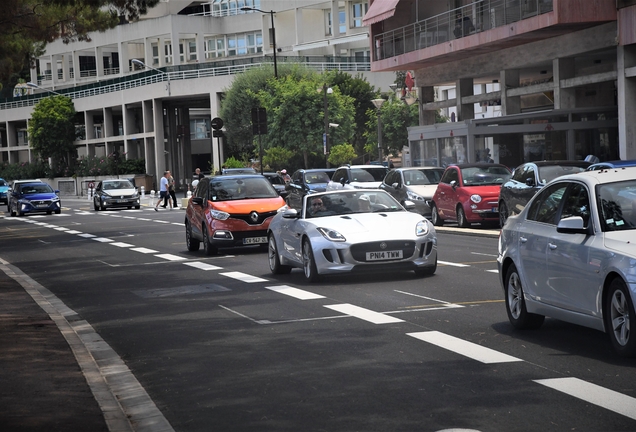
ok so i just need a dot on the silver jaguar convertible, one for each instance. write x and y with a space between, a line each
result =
359 230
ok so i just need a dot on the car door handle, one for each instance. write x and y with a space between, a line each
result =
523 239
552 246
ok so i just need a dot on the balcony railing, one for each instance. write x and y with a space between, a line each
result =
457 23
176 73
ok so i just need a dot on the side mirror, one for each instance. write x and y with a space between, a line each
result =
409 205
453 184
395 185
290 214
572 225
529 181
342 181
197 200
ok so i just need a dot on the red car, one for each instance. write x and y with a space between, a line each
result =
469 193
229 211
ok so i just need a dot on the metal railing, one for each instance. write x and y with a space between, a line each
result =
456 23
175 73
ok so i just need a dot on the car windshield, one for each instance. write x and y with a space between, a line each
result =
422 177
549 173
368 174
241 188
617 205
316 177
350 202
3 183
120 184
484 176
29 189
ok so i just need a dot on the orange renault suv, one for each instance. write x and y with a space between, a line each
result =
229 211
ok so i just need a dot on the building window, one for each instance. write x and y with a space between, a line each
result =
23 138
357 13
342 22
199 129
192 50
167 48
231 45
155 54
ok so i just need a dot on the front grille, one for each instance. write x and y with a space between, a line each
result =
248 219
360 250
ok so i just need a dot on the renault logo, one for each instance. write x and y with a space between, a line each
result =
383 245
254 216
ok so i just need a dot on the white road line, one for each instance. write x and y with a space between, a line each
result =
452 264
364 314
73 232
465 348
244 277
144 250
122 244
592 393
428 298
61 229
493 271
161 221
170 257
203 266
86 235
295 292
485 254
103 239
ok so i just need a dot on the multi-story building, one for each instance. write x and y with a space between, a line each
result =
149 89
560 73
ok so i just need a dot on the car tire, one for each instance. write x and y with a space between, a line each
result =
12 212
620 318
192 243
426 271
137 207
503 213
435 217
516 304
309 263
208 249
95 206
58 211
462 222
274 260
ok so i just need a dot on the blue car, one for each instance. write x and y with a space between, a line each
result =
4 188
611 164
34 198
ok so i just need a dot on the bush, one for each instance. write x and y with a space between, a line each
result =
111 165
24 170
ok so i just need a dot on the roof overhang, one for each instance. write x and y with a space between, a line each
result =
379 11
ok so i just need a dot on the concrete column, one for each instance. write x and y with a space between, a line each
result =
146 108
122 52
89 124
509 79
148 52
465 111
76 67
200 48
563 68
66 75
99 61
427 95
335 19
161 47
108 123
34 75
298 24
174 38
157 163
626 101
54 77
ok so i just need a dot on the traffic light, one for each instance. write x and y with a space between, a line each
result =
259 121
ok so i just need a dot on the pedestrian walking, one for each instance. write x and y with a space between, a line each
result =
198 174
285 176
171 191
163 190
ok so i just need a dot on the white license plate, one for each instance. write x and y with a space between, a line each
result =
255 240
384 255
495 209
42 206
122 200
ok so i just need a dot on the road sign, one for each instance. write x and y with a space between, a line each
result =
216 123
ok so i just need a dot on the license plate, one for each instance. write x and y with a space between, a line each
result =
384 255
255 240
42 206
495 209
122 200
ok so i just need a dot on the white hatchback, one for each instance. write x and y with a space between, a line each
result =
570 255
357 177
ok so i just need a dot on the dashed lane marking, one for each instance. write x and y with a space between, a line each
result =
295 292
364 314
103 239
203 266
170 257
594 394
144 250
243 277
122 244
465 348
452 264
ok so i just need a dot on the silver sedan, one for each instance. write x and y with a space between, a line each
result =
353 230
570 255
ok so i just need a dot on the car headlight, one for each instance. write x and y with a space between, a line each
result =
413 196
331 235
135 194
421 228
219 215
55 199
475 198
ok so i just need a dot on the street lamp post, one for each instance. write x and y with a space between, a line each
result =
140 63
271 13
34 85
378 104
326 90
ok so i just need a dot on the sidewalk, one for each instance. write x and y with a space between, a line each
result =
43 388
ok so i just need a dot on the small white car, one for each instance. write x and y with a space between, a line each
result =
357 177
570 255
345 231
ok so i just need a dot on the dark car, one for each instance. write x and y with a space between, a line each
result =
277 181
307 181
468 193
527 179
34 197
233 171
229 211
611 164
416 184
115 193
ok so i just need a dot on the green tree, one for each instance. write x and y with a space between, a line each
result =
396 117
342 154
52 131
295 107
27 25
277 158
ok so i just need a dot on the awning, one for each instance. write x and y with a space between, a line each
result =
379 11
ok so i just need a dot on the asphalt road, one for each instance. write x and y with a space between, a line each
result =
218 343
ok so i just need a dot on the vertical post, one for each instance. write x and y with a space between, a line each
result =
326 108
260 151
379 136
271 13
